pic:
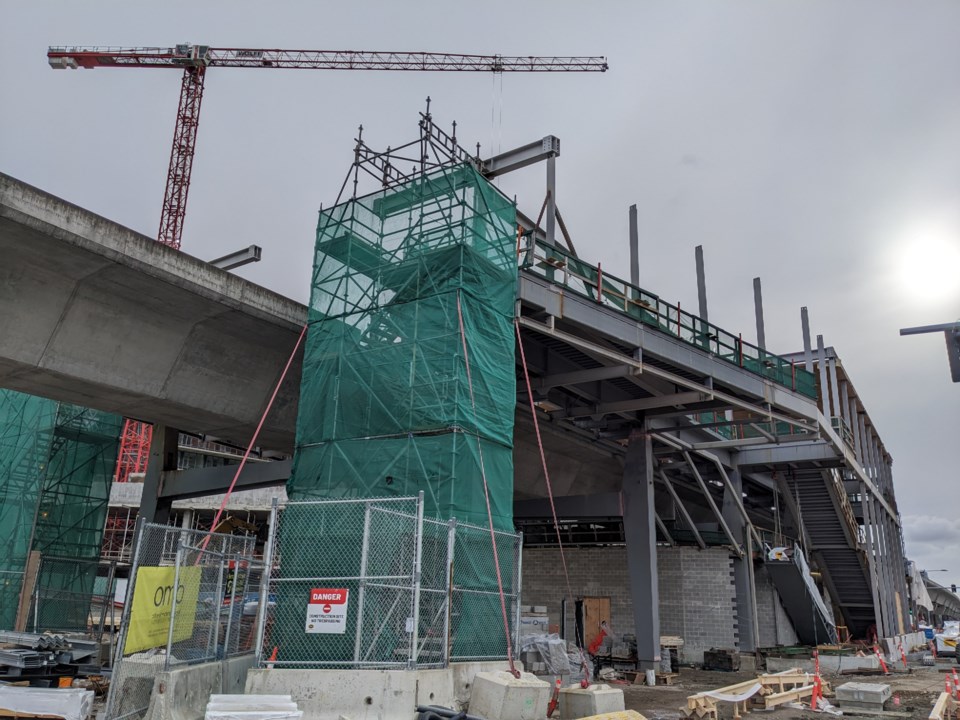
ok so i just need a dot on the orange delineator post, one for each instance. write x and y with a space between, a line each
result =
883 665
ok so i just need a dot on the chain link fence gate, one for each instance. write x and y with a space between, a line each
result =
371 583
187 603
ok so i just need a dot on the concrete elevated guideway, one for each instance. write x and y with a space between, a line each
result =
93 313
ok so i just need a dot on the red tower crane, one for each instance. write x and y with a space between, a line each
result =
194 60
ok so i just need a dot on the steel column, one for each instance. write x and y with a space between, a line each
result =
758 309
742 566
639 530
807 350
701 283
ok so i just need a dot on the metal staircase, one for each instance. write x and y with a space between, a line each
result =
833 536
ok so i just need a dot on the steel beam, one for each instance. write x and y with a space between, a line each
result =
622 406
197 482
663 529
579 377
807 348
713 505
683 510
240 257
634 248
598 505
521 157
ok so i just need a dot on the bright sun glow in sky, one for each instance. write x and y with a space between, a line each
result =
928 265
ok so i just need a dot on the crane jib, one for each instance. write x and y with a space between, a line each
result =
186 55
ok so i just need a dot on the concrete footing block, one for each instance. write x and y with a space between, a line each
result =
577 702
501 696
863 696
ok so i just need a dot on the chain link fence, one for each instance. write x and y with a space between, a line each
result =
372 584
188 601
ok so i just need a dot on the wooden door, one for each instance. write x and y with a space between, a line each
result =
596 610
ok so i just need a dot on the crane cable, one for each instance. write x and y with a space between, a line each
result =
553 509
486 495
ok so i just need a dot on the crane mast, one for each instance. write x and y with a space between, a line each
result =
194 60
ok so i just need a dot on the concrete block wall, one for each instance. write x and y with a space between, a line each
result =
697 596
775 626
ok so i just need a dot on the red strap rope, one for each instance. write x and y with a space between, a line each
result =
546 474
253 440
486 495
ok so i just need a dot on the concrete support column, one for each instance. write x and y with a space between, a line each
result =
746 602
640 533
163 456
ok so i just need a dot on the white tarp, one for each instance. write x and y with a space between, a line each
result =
68 703
745 695
920 595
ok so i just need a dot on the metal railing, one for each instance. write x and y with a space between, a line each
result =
590 281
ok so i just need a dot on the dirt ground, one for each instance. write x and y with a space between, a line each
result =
917 691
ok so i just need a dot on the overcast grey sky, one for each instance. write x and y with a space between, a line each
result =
815 144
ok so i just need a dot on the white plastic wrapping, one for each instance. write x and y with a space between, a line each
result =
68 703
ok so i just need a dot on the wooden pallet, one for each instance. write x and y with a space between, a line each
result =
768 692
667 678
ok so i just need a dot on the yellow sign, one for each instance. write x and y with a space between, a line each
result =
153 598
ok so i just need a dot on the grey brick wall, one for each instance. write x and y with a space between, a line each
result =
775 625
697 596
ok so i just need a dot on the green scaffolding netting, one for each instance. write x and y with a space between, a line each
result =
56 466
385 404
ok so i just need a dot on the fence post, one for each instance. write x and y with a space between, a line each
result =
264 599
36 595
518 584
233 599
125 617
214 633
447 637
418 558
173 604
364 554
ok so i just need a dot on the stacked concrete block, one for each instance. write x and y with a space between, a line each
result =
863 696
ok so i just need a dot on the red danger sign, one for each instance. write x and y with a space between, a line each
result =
326 595
327 610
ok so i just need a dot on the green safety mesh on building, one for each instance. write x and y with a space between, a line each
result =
26 432
56 466
385 406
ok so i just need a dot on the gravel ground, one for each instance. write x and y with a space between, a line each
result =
917 691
